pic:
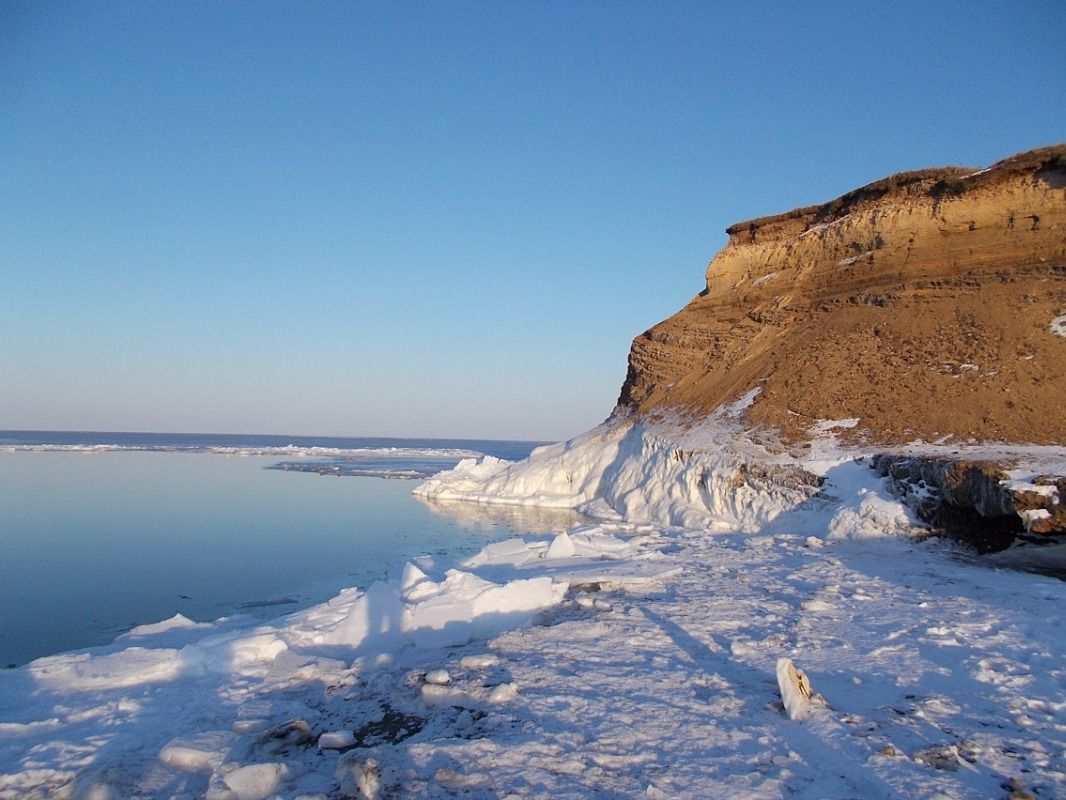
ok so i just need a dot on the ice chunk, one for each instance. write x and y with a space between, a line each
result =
177 622
134 666
197 753
480 661
439 677
336 740
561 547
468 696
639 471
466 606
795 690
256 781
13 730
428 614
359 777
511 551
816 605
290 666
412 576
871 514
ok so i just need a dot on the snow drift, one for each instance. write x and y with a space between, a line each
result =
710 476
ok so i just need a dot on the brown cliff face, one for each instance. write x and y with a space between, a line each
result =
921 304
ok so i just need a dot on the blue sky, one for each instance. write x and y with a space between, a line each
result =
438 219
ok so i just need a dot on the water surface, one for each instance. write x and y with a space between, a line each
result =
92 543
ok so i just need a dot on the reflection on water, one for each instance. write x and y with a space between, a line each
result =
489 517
92 544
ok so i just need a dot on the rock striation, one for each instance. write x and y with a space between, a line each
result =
930 304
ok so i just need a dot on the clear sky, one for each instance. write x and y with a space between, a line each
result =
438 218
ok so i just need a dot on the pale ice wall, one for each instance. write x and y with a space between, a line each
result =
643 471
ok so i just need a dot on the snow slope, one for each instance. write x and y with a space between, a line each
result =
630 657
666 473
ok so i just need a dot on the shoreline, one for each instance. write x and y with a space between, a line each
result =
631 658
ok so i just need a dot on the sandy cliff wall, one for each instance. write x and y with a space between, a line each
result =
924 305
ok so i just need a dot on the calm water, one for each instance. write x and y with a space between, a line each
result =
92 542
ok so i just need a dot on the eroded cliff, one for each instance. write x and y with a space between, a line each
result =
924 305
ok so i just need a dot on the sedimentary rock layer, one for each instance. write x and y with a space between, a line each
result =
923 305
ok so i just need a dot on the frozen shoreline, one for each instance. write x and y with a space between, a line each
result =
634 657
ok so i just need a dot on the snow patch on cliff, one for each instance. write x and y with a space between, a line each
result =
1058 326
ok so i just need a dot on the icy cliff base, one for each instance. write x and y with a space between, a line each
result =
712 476
716 474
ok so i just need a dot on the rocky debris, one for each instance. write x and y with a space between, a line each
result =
391 727
293 733
939 756
937 291
956 493
1017 790
359 776
781 476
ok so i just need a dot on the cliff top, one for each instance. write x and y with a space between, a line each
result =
934 182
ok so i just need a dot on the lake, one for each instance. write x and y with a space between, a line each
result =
97 538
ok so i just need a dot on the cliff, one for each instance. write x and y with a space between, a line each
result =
916 325
924 305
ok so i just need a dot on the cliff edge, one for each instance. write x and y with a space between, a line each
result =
927 305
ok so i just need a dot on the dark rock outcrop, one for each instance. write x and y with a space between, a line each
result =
959 493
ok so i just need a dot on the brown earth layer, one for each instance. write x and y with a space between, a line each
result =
921 304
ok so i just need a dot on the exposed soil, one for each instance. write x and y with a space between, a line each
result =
923 306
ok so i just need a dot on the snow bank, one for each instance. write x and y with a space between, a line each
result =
194 708
642 471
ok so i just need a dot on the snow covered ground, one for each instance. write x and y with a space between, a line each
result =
639 655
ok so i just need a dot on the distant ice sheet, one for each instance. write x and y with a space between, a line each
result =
291 450
410 467
404 462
